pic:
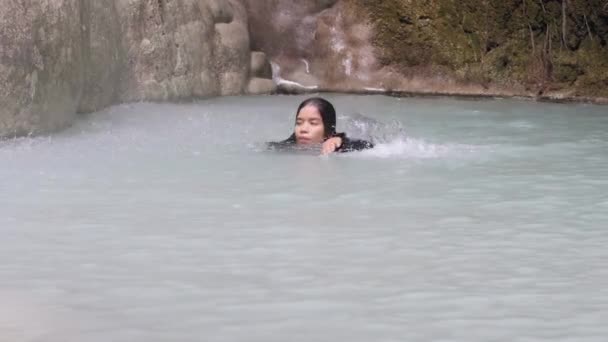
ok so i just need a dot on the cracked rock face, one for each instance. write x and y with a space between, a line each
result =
60 57
40 65
182 49
322 45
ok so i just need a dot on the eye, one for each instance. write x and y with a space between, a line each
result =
314 122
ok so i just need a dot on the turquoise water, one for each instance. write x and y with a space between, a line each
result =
470 221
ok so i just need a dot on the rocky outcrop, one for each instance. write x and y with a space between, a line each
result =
323 45
549 49
315 45
555 49
60 57
261 75
104 55
41 65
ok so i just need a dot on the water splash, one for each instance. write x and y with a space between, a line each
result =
363 127
415 149
392 140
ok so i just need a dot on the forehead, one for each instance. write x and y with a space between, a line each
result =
309 113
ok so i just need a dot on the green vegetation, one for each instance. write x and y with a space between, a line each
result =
555 45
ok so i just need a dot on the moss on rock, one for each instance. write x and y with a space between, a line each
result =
525 42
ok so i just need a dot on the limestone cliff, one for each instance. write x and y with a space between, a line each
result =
41 65
548 48
60 57
315 45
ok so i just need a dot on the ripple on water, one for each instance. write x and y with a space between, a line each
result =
460 225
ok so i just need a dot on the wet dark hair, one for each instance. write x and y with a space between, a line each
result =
327 111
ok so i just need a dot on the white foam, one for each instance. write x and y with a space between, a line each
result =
278 80
415 149
306 64
347 63
380 90
296 84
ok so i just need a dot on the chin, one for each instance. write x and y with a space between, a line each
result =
301 141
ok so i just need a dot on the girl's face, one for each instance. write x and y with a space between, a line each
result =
309 126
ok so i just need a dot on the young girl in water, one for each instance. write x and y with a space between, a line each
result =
316 125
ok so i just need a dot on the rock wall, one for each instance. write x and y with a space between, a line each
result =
331 45
61 57
316 44
555 49
41 65
545 48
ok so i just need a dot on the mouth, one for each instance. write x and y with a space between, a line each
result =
303 140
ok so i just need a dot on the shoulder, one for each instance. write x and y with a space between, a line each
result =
349 145
279 145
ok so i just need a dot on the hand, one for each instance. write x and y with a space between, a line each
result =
331 145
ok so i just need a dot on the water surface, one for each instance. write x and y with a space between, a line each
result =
470 221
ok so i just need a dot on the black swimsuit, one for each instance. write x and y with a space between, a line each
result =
348 145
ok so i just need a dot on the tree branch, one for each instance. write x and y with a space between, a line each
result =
564 33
